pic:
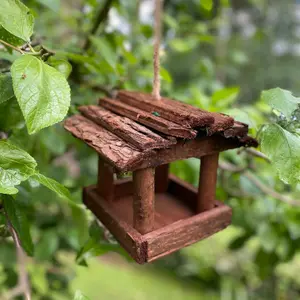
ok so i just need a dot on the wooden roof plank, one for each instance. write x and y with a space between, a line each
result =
148 119
169 109
130 131
113 149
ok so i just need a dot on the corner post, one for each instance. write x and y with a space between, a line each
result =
207 182
143 200
162 178
105 184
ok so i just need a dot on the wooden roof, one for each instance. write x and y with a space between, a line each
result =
135 131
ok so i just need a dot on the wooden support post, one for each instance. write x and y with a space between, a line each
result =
207 182
143 200
105 180
162 178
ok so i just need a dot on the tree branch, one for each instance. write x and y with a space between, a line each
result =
99 19
23 287
11 46
263 187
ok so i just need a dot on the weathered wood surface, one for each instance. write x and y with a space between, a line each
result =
207 182
105 182
169 109
238 129
111 148
176 225
143 200
132 132
127 236
191 148
148 119
222 122
185 232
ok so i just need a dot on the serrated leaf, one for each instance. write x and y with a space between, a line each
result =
43 93
104 48
19 221
61 65
52 185
282 148
16 165
6 89
281 100
17 19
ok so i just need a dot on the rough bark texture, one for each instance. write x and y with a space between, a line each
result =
111 148
143 200
148 119
207 182
239 129
168 109
222 122
130 131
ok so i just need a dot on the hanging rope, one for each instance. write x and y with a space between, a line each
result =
157 38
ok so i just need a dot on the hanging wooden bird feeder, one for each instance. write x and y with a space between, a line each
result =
154 213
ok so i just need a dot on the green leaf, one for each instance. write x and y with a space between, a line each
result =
47 245
108 54
225 97
6 89
207 4
19 221
80 296
282 148
281 100
16 165
43 93
17 19
165 75
52 4
52 185
61 65
10 115
10 38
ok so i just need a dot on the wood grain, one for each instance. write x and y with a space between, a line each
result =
148 119
111 148
143 200
185 232
207 182
172 110
130 131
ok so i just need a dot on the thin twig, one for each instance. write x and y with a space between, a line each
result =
11 46
99 19
258 154
157 37
259 184
23 287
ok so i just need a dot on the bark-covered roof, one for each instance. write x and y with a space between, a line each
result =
135 130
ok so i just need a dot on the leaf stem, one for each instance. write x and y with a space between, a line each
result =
23 287
11 46
30 47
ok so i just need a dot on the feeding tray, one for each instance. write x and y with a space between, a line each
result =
154 213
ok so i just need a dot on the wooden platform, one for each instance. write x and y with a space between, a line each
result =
177 224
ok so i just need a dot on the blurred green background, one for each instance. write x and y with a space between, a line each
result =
218 58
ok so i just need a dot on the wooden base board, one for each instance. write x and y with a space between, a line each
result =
176 223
